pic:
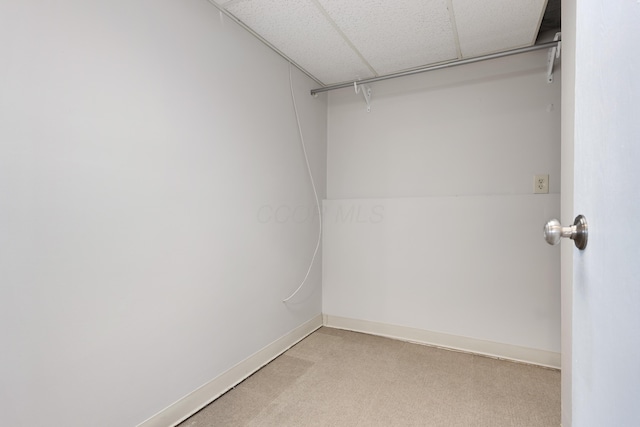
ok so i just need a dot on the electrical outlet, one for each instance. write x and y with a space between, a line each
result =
540 184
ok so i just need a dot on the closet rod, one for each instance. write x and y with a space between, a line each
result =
541 46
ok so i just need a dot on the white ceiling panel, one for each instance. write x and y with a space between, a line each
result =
301 31
395 35
496 25
339 41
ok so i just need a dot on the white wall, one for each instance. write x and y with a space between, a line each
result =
448 237
139 144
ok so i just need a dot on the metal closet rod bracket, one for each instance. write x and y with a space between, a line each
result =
366 93
553 54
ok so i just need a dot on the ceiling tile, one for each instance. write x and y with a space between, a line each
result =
300 31
395 35
496 25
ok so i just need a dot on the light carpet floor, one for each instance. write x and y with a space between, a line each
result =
341 378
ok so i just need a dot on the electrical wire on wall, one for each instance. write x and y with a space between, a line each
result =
313 185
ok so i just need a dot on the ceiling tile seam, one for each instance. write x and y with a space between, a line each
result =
264 41
230 3
535 33
344 37
454 28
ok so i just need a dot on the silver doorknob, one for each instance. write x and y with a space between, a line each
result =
578 232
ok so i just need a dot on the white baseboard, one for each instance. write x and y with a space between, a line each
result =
493 349
198 399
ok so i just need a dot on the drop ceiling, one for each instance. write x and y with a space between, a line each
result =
337 41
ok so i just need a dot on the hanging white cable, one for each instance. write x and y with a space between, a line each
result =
313 185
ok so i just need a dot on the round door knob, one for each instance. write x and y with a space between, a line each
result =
578 232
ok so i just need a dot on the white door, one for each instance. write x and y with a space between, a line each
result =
602 379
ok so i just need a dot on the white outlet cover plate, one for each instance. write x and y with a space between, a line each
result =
541 184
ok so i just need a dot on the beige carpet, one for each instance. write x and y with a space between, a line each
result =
341 378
